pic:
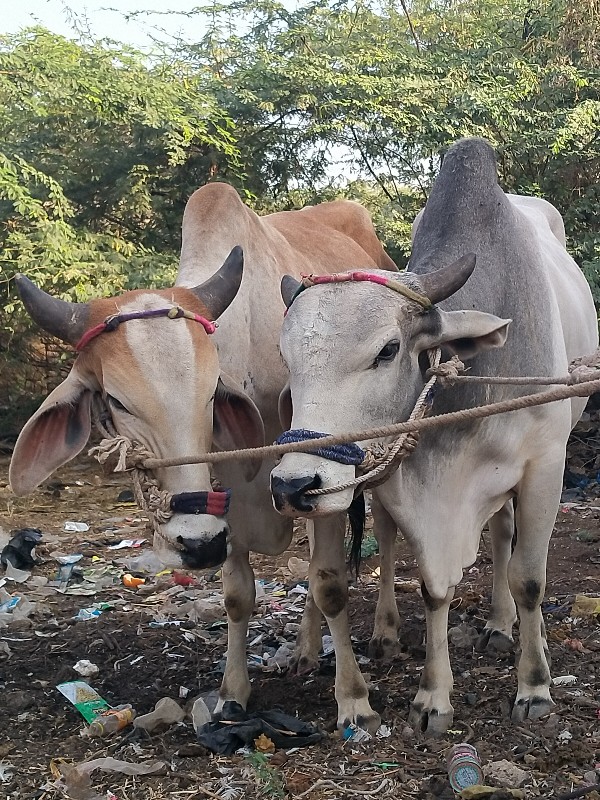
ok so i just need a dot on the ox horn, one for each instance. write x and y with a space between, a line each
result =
443 283
67 321
219 290
289 287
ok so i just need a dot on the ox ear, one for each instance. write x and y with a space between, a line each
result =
57 432
285 408
237 423
467 333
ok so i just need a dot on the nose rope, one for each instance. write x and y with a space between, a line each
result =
380 460
121 454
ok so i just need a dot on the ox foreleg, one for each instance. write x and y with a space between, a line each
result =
537 506
239 592
308 642
431 711
384 642
497 634
330 591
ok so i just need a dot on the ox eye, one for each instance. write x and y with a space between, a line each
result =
387 353
117 405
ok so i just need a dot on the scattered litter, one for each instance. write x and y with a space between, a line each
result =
200 714
20 550
76 781
16 575
298 568
110 721
565 736
92 612
132 583
127 543
85 699
76 527
585 606
355 734
564 680
263 744
86 669
463 635
5 650
166 712
327 645
384 732
14 608
506 774
6 772
233 728
464 767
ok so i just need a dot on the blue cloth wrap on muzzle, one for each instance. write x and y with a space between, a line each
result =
350 453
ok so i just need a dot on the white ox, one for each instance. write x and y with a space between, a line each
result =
355 353
166 381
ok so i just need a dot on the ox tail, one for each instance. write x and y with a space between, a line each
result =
356 519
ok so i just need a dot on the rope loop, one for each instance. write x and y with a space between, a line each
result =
446 372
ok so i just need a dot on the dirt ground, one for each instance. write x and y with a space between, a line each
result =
140 663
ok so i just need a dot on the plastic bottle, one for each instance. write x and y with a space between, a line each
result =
464 766
110 721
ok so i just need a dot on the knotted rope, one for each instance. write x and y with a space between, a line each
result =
120 454
381 460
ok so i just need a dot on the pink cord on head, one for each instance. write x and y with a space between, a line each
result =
209 327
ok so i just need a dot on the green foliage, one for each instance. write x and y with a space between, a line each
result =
99 152
268 778
101 146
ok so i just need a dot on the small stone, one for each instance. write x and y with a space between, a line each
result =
407 732
471 698
506 774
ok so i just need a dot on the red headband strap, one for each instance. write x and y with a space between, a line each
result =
360 275
112 323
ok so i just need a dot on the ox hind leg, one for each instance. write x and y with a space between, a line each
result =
431 711
384 642
308 642
330 591
240 593
537 506
497 634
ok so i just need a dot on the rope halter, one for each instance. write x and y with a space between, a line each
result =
112 323
121 454
378 461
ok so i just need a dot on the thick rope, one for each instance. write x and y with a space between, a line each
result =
583 389
119 454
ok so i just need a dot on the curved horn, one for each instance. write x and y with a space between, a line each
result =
67 321
218 291
289 287
443 283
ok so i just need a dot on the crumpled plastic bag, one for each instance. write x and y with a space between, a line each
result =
234 728
77 780
585 606
19 550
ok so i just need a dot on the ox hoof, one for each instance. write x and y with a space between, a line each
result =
361 715
531 708
382 648
302 664
429 721
494 640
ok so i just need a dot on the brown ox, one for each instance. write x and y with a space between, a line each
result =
173 388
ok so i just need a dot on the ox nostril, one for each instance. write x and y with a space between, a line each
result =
291 492
204 553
